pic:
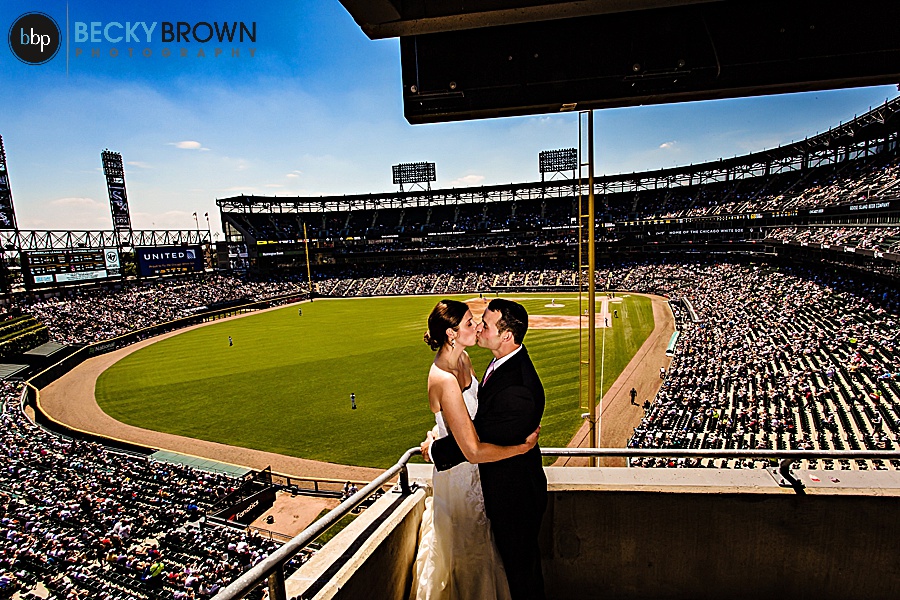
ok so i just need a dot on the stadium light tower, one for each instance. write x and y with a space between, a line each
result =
415 173
7 213
558 162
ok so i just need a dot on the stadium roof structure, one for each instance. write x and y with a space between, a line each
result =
491 58
23 239
856 138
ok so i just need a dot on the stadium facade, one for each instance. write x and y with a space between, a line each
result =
773 202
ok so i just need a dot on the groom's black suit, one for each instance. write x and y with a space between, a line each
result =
510 407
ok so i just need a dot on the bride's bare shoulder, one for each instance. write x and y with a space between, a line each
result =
439 377
442 387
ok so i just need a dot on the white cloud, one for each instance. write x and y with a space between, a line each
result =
75 202
467 180
139 164
274 185
71 212
188 145
667 145
243 189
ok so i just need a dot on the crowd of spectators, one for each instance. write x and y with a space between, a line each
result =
84 316
769 357
550 221
88 522
883 239
862 180
779 359
455 281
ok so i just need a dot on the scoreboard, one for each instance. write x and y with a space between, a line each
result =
67 267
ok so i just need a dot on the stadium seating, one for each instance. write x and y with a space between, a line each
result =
534 222
83 317
781 359
20 334
88 522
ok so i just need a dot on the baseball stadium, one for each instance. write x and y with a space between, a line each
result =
718 343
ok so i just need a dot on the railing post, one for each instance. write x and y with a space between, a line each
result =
276 584
404 481
785 470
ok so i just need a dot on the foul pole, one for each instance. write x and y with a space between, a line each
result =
308 271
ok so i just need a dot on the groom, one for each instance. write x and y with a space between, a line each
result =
510 407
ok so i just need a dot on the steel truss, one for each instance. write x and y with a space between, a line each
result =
61 240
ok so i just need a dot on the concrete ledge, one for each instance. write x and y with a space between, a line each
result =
675 534
371 558
745 481
720 533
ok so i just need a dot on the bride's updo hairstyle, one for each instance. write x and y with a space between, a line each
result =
447 314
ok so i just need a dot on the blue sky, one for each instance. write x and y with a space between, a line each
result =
316 110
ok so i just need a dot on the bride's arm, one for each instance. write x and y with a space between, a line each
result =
456 416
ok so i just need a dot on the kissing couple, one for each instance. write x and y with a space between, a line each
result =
479 535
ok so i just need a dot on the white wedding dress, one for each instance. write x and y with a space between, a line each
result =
457 558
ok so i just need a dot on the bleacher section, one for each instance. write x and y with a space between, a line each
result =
20 334
882 239
780 360
85 521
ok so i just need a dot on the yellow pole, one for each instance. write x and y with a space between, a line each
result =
592 297
308 271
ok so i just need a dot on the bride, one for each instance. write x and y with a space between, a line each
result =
457 558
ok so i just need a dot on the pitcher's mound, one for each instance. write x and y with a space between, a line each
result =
557 305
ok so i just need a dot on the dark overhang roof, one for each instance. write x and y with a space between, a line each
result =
492 58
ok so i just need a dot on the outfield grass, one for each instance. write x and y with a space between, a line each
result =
285 384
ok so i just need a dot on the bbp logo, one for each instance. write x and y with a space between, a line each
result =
34 38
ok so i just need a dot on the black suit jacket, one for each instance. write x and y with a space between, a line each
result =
510 407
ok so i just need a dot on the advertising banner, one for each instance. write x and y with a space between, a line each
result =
247 511
115 185
169 260
118 204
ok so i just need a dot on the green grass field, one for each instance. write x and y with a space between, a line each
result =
285 384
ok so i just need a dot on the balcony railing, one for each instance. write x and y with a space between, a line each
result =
272 568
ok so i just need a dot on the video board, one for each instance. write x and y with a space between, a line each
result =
68 267
169 260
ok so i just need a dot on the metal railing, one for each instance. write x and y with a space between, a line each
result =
272 568
785 458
